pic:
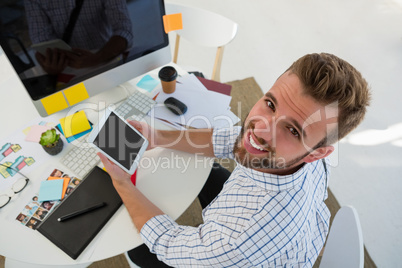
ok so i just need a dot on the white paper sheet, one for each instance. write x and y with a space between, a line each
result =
15 149
203 107
190 82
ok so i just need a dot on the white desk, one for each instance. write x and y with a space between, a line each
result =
172 189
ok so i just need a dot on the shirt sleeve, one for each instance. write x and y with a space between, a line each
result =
223 140
119 19
186 246
40 27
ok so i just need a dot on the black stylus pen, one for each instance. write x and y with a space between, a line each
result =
79 212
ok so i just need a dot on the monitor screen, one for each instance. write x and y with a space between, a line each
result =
56 44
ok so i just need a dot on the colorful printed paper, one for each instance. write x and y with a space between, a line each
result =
34 212
19 155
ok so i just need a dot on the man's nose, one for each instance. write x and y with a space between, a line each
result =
265 130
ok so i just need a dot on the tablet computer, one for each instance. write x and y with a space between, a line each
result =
119 141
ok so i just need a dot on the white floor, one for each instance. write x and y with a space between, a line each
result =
366 33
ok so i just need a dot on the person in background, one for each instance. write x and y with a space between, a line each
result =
101 32
270 211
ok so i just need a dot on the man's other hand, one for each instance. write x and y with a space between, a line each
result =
53 62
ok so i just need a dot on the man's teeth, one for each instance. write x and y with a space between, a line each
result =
252 142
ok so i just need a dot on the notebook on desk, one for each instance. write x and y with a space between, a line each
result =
216 86
73 235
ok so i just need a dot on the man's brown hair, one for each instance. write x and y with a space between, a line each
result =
329 79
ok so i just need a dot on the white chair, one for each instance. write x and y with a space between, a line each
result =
204 28
130 263
344 247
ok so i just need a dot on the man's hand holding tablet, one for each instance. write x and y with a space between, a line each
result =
120 142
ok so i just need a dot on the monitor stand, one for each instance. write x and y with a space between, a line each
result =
95 105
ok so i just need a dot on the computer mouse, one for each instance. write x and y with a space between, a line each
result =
175 106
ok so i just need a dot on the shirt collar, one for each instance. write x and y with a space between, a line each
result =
272 182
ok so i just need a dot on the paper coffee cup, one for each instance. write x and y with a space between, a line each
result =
168 76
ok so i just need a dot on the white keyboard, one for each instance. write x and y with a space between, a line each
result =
136 106
81 160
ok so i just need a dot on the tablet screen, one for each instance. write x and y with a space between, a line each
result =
119 141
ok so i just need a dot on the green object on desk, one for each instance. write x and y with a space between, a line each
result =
73 138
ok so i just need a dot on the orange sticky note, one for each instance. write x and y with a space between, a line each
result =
54 103
65 183
172 22
74 124
76 94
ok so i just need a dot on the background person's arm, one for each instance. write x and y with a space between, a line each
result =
81 58
53 62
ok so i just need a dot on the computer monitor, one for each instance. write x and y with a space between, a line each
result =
139 22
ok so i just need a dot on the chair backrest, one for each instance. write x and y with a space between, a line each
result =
344 247
204 28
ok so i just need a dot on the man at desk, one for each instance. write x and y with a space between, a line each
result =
270 211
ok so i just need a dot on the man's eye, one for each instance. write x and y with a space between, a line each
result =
271 105
294 132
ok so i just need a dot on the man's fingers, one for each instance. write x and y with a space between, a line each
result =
136 124
62 61
49 57
81 52
108 165
141 127
39 56
72 55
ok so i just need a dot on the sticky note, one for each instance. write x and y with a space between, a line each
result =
74 124
172 22
26 130
76 94
73 138
54 103
50 190
35 132
148 83
66 181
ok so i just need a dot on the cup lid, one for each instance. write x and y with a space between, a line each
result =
167 74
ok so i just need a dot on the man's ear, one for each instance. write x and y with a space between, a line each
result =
319 153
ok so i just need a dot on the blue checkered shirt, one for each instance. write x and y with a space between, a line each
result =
97 22
257 220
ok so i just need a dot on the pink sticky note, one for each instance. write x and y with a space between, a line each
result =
35 133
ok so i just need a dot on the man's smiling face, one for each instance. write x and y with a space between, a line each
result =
283 129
